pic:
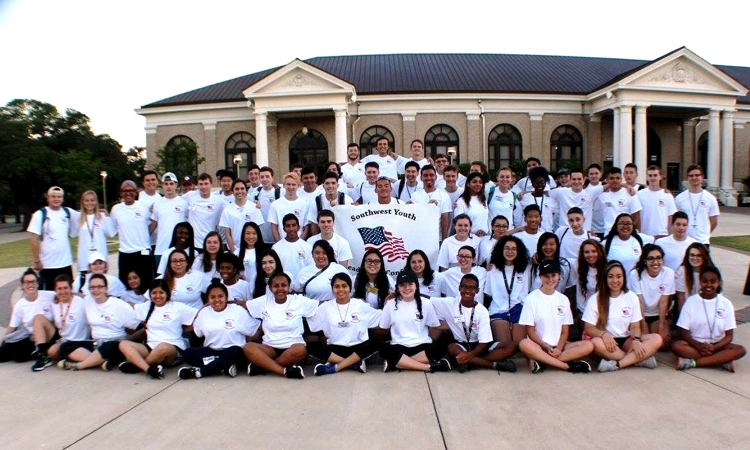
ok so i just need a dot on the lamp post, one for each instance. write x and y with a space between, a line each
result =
103 174
452 150
237 160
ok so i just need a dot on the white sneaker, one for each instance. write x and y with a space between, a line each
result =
608 366
649 363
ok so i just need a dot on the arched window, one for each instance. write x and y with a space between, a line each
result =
180 156
370 137
566 148
505 147
310 149
243 145
442 139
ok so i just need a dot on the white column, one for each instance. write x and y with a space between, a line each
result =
616 137
727 150
341 142
714 155
261 139
626 135
641 146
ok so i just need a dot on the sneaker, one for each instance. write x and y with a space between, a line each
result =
728 367
107 365
188 373
156 372
534 366
325 369
579 367
231 371
505 365
67 365
42 363
255 370
685 363
361 367
462 368
440 366
128 367
649 363
294 372
608 366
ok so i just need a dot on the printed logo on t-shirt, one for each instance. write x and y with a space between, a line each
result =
297 212
138 213
210 208
229 324
107 318
431 289
583 200
704 204
177 209
248 218
662 288
167 317
189 288
627 312
289 315
519 278
46 310
71 318
560 310
417 317
662 203
355 317
720 314
608 204
301 254
97 224
620 203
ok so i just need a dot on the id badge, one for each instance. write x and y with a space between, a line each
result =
343 324
458 319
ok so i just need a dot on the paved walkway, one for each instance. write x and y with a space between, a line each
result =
635 408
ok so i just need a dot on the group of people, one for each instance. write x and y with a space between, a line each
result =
254 276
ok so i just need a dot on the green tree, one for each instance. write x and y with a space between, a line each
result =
182 159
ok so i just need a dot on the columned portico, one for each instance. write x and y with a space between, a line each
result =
626 135
727 158
340 134
714 155
261 139
616 137
641 150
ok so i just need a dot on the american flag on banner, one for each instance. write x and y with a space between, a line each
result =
391 247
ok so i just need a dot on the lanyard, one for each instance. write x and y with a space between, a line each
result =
64 315
708 322
512 281
694 209
541 207
467 329
91 229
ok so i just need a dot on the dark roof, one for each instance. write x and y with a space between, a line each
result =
451 73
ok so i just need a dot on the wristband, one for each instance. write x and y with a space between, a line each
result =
637 338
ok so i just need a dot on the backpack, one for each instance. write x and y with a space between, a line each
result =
44 218
276 193
319 201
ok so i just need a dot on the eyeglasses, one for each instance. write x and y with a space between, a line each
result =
464 256
499 226
29 282
695 255
98 286
372 262
178 261
463 287
510 249
127 191
653 258
625 224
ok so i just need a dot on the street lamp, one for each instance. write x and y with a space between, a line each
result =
237 160
452 150
103 174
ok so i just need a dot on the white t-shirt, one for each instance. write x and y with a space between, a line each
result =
150 202
363 192
293 255
109 320
502 205
249 265
341 249
203 214
651 288
444 203
432 289
498 288
612 204
168 213
591 280
115 288
486 244
699 208
707 320
386 165
326 204
407 328
282 323
674 250
198 267
407 193
657 206
134 298
226 328
70 319
92 237
281 207
131 222
597 217
319 286
345 325
448 254
459 319
451 278
240 290
547 314
529 240
353 174
266 197
570 243
548 206
371 292
628 252
24 310
681 286
234 217
54 248
166 322
567 198
477 212
189 287
623 311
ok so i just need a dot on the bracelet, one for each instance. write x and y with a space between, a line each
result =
637 338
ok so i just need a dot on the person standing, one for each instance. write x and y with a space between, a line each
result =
204 209
386 163
352 171
150 197
700 206
431 195
658 206
167 213
131 219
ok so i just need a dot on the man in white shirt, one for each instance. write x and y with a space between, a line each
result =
290 203
383 190
225 177
576 196
441 163
431 195
675 245
386 164
657 206
700 206
253 177
617 201
417 155
352 171
310 188
204 209
364 192
524 184
293 252
572 236
341 248
263 197
451 187
171 210
149 196
407 186
330 198
131 219
50 230
595 187
548 206
630 176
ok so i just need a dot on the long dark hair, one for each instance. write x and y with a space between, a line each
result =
521 261
161 284
190 241
466 194
243 244
326 246
141 289
169 275
381 279
540 256
583 266
417 296
641 265
206 265
260 277
428 274
603 292
688 268
613 233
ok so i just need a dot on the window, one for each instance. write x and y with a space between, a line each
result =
505 147
242 144
180 156
370 137
309 149
442 139
566 148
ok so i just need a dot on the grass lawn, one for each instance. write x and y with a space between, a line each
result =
18 254
736 242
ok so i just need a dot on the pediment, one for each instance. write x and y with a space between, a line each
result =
298 78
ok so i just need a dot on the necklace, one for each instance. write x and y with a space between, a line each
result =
467 329
343 323
708 321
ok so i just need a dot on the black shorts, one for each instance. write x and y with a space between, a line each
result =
393 352
621 341
363 350
179 350
68 347
650 320
109 350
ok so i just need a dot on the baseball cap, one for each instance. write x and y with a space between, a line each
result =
96 256
187 179
549 266
169 176
55 190
407 276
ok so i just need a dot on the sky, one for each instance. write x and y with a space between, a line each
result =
105 59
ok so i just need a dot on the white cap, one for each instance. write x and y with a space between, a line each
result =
96 256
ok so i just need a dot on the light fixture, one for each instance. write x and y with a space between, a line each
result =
304 124
103 174
237 160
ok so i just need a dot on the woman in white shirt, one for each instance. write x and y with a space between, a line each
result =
185 286
94 226
449 247
613 321
451 278
165 322
409 317
314 280
206 261
548 248
229 267
248 250
346 323
137 291
473 203
429 279
98 264
111 320
500 226
182 238
225 328
283 348
686 281
653 283
18 343
707 325
372 283
268 264
590 263
623 243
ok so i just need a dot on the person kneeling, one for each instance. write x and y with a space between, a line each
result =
547 316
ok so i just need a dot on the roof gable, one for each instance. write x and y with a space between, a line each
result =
298 78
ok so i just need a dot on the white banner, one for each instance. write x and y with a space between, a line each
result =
395 230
